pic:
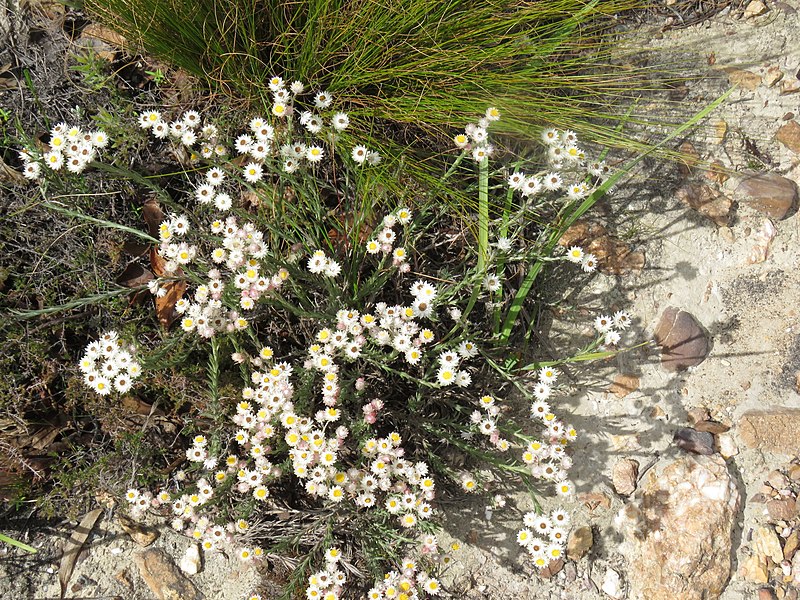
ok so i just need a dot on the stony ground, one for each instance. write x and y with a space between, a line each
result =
689 473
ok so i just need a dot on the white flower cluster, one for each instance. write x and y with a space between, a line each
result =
174 254
107 365
587 261
383 241
567 172
409 582
70 146
486 422
240 252
188 130
544 537
321 264
610 326
476 136
328 583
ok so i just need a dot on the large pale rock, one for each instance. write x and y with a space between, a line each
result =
163 577
775 430
684 511
769 194
683 341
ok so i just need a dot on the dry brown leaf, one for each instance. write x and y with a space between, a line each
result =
134 275
8 173
74 545
153 216
165 304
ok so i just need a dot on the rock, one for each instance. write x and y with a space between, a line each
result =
766 543
579 543
697 442
711 426
788 116
552 569
773 76
755 568
775 430
783 509
777 480
794 472
791 544
789 136
683 341
769 194
763 238
613 255
745 79
190 563
789 87
594 499
726 445
697 414
623 476
766 594
612 584
754 9
796 568
625 442
163 577
570 572
142 535
682 547
706 201
624 385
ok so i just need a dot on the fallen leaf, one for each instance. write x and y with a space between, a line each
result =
134 275
74 545
10 174
153 216
174 290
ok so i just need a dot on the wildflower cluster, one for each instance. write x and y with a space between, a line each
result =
240 252
69 146
609 327
384 240
475 138
409 583
544 537
188 131
267 141
108 365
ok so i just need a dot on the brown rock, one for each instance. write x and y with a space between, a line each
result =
754 9
696 442
755 568
594 499
789 87
624 385
789 136
144 536
681 549
794 472
777 480
683 341
717 172
745 79
552 569
775 430
788 116
766 543
707 201
783 509
697 414
766 594
773 76
624 475
791 544
769 194
163 577
613 255
579 543
711 427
